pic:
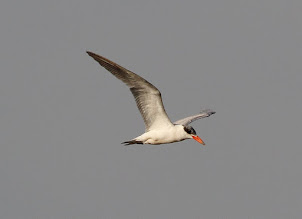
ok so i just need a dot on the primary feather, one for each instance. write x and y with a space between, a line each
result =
147 96
188 120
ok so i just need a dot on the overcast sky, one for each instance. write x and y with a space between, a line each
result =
63 116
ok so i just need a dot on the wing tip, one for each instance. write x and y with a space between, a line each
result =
208 111
90 53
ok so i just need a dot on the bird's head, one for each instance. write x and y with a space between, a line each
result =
192 134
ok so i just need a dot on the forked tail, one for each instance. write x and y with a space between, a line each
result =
132 142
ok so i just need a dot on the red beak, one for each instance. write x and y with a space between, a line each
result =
196 138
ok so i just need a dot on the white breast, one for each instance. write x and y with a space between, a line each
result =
164 136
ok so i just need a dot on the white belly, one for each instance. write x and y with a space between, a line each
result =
163 136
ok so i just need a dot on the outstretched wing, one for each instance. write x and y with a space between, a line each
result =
188 120
147 97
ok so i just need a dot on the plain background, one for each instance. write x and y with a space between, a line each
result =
63 116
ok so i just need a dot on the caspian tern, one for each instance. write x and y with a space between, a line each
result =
158 127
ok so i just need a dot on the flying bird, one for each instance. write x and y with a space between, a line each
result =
158 127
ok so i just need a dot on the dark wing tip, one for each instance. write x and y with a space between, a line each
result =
91 54
211 112
208 112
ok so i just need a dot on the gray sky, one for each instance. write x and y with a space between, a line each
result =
63 116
